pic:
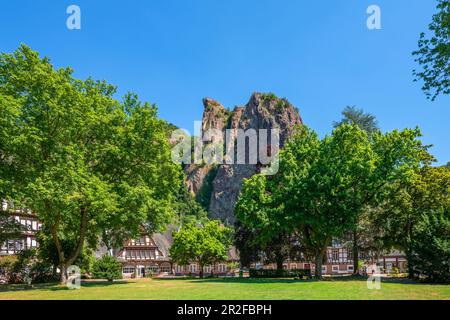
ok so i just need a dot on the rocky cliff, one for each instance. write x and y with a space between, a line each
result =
217 187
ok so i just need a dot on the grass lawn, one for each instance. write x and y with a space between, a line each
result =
209 289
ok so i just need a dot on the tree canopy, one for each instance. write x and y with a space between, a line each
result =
205 244
323 184
356 116
433 54
87 164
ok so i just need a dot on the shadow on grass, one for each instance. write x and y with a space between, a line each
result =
58 287
236 280
288 280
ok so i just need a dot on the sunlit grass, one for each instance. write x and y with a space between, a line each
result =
233 289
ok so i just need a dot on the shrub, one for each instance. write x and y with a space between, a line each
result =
263 273
107 268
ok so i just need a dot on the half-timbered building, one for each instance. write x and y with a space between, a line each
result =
28 238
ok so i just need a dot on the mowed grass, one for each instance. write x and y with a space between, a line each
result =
231 289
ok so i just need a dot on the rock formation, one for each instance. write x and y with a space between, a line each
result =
219 185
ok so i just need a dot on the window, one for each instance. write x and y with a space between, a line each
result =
153 268
140 242
324 268
349 268
11 246
335 268
165 268
128 270
193 268
222 268
207 269
335 255
179 269
349 254
293 266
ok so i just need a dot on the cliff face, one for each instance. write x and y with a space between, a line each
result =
222 183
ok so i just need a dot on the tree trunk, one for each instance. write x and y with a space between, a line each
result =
201 271
409 264
280 261
355 253
318 265
63 274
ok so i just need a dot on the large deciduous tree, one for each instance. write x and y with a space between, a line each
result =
323 185
433 54
85 163
360 235
412 208
205 244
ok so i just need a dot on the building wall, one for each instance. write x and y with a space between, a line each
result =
28 239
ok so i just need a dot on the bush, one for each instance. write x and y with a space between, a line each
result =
263 273
7 264
25 266
41 272
107 268
430 258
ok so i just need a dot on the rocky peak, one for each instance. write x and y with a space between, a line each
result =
224 181
214 115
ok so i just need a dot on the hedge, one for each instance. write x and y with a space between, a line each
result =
263 273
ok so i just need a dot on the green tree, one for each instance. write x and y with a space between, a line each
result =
205 244
108 268
433 54
87 164
277 250
368 123
10 229
355 116
430 247
323 185
409 202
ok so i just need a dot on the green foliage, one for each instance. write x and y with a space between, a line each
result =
323 185
188 209
25 266
108 268
355 116
430 256
87 164
10 229
433 54
410 210
203 196
263 273
252 248
204 244
281 104
268 97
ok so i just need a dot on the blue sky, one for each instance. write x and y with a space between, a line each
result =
318 54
